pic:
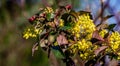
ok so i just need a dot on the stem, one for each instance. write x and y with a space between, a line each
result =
53 60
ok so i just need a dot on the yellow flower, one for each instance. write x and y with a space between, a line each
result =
48 10
103 32
26 36
34 35
31 32
77 35
36 31
115 41
61 23
83 44
118 57
81 55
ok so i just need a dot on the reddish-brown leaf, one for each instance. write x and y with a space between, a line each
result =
61 39
97 36
97 51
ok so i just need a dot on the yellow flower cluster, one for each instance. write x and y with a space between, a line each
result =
30 33
48 10
84 48
115 41
103 32
84 45
83 26
87 55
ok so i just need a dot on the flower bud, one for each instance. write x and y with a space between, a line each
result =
31 19
68 7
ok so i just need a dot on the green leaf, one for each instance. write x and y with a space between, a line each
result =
111 26
57 54
65 16
49 16
74 14
65 27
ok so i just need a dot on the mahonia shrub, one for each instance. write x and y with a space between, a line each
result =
71 34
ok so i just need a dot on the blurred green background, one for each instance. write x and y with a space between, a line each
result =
14 50
14 14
